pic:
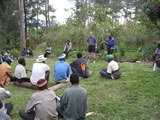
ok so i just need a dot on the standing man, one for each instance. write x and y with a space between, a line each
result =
73 103
111 44
40 70
61 70
92 46
42 105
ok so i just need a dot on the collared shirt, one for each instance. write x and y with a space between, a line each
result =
112 66
43 103
74 103
92 40
111 42
5 72
20 71
38 72
4 94
61 70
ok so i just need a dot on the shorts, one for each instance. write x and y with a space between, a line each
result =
91 48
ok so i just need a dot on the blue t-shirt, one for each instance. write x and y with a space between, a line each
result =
61 70
111 42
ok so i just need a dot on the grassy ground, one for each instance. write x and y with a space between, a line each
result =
135 96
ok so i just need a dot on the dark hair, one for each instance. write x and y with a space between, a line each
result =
74 79
79 55
22 61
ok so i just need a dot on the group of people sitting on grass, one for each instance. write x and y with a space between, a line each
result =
28 52
50 106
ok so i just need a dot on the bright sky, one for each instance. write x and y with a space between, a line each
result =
60 5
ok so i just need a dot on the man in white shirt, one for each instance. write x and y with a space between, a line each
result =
113 70
40 70
20 71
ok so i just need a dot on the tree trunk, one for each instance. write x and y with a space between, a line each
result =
22 31
25 17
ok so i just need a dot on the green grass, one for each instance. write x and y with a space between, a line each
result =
135 96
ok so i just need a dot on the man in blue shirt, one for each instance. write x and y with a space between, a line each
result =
111 44
61 70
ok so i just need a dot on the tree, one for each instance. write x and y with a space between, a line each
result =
22 30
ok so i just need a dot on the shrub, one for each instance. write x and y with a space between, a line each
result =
15 53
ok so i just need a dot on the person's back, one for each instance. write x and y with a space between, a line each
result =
112 66
20 71
73 103
5 73
45 105
38 72
61 70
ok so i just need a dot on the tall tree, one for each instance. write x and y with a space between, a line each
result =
22 30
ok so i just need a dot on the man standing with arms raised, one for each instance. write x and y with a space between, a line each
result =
92 46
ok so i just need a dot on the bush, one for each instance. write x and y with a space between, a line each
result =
15 53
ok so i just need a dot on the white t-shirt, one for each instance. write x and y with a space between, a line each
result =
20 71
112 66
38 72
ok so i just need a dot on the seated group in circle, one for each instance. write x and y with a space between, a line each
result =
66 106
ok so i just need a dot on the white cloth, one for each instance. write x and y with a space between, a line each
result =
38 72
112 66
4 94
20 71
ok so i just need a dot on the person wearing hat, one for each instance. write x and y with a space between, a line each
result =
6 72
73 103
61 70
40 70
113 70
42 104
110 44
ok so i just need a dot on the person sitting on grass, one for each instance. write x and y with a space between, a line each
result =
20 71
61 70
42 105
156 57
67 48
113 69
24 52
73 103
80 68
6 72
5 107
40 70
3 116
48 51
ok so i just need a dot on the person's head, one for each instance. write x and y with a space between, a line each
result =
8 60
110 36
41 59
62 57
110 57
22 61
42 84
79 55
68 41
158 45
24 48
74 79
90 33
